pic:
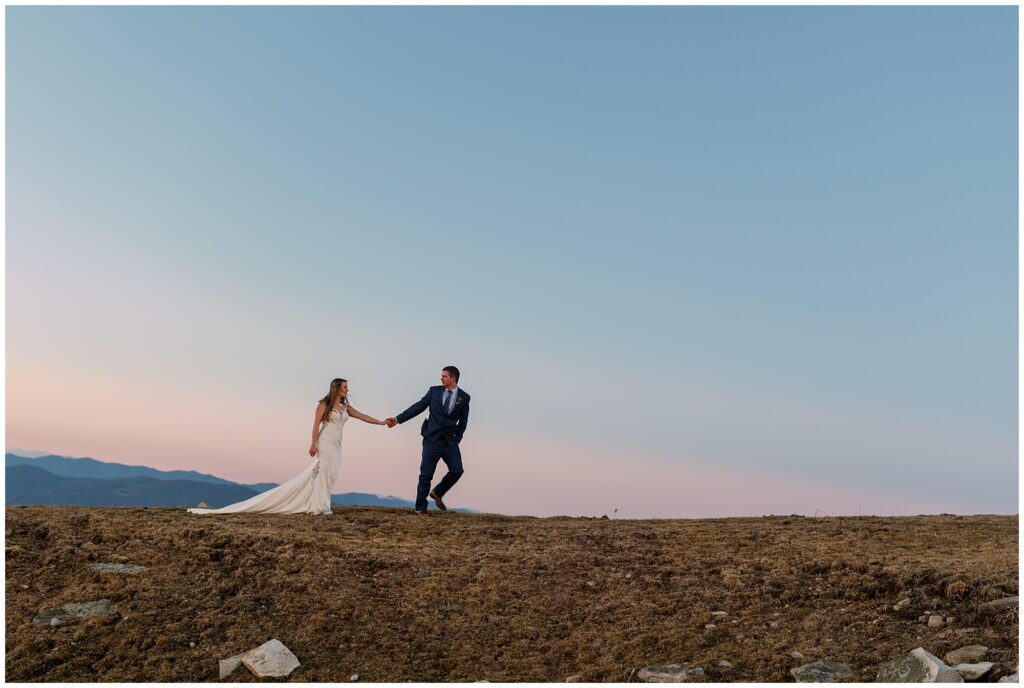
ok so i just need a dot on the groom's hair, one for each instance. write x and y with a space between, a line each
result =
453 371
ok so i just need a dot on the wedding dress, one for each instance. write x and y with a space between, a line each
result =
310 491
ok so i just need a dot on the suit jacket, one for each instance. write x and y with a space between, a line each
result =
440 427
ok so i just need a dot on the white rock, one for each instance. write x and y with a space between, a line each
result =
353 677
725 664
271 658
972 672
575 678
719 613
1012 678
710 627
229 665
668 673
902 604
796 655
936 621
918 666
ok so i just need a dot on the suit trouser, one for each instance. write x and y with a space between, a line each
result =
432 453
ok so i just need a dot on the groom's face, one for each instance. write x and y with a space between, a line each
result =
447 381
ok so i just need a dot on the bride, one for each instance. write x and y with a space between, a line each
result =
310 491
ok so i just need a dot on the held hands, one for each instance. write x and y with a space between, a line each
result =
391 422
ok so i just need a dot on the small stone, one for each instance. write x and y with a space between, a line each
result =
668 673
191 644
773 624
575 678
796 655
966 655
271 658
902 604
82 610
918 666
821 672
1002 602
1012 678
229 665
935 621
724 664
130 569
710 627
719 613
972 672
55 621
353 677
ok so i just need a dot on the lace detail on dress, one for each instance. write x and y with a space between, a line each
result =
316 469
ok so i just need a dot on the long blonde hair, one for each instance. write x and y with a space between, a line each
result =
333 395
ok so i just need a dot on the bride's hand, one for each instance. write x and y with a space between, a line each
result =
312 450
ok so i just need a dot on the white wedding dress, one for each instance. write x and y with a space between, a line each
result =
310 491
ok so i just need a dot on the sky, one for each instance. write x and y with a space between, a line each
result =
691 261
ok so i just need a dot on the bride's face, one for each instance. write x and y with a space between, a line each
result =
344 389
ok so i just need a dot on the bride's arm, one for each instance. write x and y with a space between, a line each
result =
363 417
320 409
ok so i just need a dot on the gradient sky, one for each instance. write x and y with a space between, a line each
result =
691 261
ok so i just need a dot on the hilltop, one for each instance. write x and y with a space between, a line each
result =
389 596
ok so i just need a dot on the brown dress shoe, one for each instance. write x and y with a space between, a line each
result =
437 500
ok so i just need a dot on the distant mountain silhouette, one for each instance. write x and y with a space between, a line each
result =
364 499
60 480
34 485
91 468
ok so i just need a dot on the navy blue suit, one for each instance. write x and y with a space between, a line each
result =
442 431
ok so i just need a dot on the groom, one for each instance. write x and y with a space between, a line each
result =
442 431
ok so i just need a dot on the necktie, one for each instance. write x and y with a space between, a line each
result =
447 399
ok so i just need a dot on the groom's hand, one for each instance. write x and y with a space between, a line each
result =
392 422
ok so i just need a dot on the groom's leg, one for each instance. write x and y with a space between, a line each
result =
431 455
453 460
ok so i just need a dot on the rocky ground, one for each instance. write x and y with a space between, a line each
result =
386 596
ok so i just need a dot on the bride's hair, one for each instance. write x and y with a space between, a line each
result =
333 396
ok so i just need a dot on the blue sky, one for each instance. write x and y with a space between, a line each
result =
663 244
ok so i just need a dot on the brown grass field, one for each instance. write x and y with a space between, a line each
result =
463 597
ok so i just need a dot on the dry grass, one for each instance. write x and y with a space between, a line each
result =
461 597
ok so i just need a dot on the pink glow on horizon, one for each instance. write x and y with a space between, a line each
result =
254 441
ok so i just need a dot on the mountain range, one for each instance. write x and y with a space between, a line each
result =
60 480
